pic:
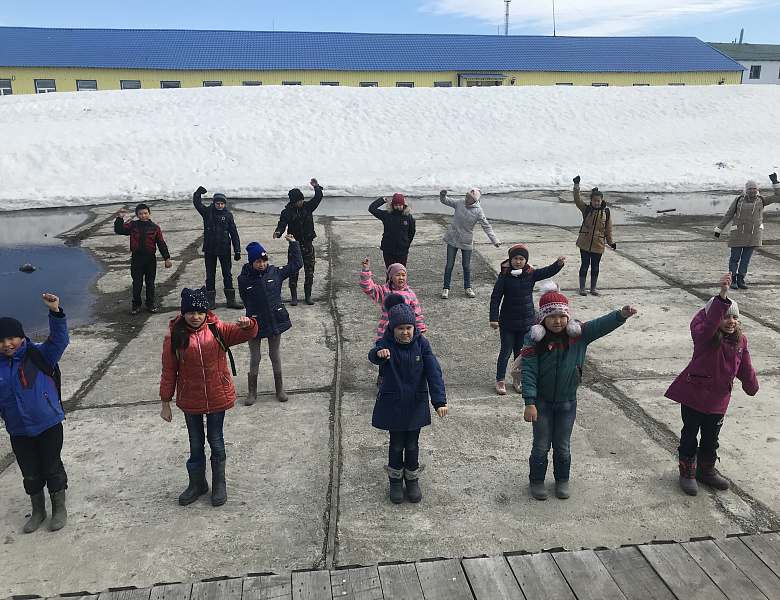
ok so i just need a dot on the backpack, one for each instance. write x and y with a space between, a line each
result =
44 367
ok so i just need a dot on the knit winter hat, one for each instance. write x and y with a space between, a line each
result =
295 195
751 183
218 197
194 300
733 309
596 192
10 327
398 199
398 311
518 250
255 251
475 193
393 269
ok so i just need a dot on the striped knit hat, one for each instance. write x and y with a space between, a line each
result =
552 301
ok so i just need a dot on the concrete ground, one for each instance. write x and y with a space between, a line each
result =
306 488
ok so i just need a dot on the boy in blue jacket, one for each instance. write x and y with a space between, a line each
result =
30 406
410 370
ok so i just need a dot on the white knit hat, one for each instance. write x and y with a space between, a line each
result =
751 183
733 309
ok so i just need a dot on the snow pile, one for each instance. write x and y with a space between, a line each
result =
253 142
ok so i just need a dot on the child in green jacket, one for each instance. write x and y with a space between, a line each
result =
552 358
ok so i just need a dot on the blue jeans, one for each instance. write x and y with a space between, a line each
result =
592 260
404 441
211 271
552 427
511 342
452 251
214 423
740 259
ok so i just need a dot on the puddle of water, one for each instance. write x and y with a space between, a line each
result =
30 237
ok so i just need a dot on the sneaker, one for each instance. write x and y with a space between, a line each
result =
518 387
445 293
470 293
152 309
500 388
135 310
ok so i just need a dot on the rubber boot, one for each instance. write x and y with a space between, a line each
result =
413 491
708 474
218 486
593 280
396 485
582 287
230 296
38 515
59 514
688 475
212 298
537 490
307 291
251 397
279 384
293 295
741 282
197 487
562 490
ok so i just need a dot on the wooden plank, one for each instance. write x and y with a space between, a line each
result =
400 582
267 587
492 579
764 546
360 583
129 594
172 591
633 574
680 572
726 575
539 577
221 589
751 565
311 585
443 580
586 576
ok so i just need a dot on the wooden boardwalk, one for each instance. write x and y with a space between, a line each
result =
743 567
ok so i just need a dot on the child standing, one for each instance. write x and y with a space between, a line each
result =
145 238
552 358
396 283
31 407
260 286
703 389
411 370
515 285
399 228
194 367
595 233
460 236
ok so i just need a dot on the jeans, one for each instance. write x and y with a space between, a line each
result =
309 258
740 259
214 423
511 342
553 426
211 271
143 267
591 259
408 442
693 421
39 460
452 251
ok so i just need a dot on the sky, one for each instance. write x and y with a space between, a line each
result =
708 20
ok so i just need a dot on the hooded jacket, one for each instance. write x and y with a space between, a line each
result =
517 309
299 220
200 376
461 232
747 217
29 403
596 225
399 227
219 228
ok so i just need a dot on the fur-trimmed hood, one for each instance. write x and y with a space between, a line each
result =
405 212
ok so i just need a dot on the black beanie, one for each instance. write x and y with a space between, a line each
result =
10 327
295 195
194 300
518 250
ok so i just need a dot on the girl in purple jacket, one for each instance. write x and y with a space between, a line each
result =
704 388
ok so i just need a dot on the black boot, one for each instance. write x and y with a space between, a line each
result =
582 287
38 515
59 514
218 487
212 298
198 485
413 491
307 291
688 475
593 280
293 295
396 485
741 282
230 296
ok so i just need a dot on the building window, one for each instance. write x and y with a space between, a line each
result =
564 84
676 84
755 72
329 82
291 83
86 85
369 84
129 84
641 84
169 85
212 84
442 84
252 83
600 84
5 87
404 84
44 86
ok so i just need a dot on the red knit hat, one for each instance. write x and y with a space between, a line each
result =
398 199
552 301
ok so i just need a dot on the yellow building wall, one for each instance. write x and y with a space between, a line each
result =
23 78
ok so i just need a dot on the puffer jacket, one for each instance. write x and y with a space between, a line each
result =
300 221
29 403
261 293
596 225
706 383
517 310
408 375
200 376
747 219
461 232
554 377
219 228
378 293
399 227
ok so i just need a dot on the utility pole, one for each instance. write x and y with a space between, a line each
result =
553 3
506 17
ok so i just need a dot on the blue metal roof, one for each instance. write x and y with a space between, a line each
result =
286 50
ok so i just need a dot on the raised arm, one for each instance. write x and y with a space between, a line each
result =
446 200
198 203
312 204
775 197
296 259
374 209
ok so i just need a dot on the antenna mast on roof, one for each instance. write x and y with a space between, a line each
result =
506 17
553 3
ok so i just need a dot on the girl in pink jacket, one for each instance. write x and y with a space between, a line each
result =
704 388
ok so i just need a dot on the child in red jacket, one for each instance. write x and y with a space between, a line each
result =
704 388
194 366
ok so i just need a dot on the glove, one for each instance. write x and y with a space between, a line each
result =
613 246
717 234
237 256
773 178
576 180
201 190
